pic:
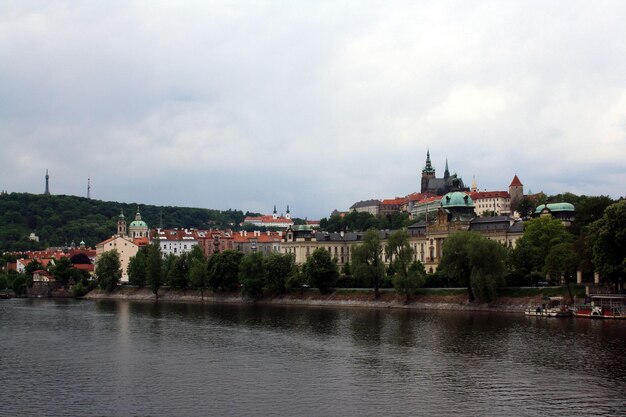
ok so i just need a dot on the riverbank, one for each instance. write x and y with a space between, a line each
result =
430 300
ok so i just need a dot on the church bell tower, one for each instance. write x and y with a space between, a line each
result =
427 173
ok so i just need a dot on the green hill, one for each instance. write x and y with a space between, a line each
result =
60 219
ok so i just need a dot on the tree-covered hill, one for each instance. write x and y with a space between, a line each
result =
60 219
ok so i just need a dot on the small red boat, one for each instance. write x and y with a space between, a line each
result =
603 307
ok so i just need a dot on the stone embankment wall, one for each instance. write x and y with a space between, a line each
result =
313 298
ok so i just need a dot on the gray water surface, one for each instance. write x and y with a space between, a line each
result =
121 358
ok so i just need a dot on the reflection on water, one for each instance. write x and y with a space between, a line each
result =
141 358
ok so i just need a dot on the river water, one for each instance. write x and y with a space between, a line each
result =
121 358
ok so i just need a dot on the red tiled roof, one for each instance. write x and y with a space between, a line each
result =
85 267
393 201
516 182
479 195
267 219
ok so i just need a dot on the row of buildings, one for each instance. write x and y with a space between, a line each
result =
455 211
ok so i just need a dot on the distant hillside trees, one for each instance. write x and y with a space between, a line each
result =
59 220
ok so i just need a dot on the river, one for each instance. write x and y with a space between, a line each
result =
124 358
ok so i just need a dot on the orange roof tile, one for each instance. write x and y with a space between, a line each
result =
516 182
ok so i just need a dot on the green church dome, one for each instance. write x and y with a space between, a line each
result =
138 223
456 199
555 207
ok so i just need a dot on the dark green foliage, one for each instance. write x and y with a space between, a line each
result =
20 284
33 266
137 268
540 235
178 272
252 275
473 261
278 267
61 219
321 270
62 271
359 221
108 270
223 270
367 261
198 272
154 271
607 239
4 282
407 275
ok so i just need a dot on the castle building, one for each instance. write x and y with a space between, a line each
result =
439 186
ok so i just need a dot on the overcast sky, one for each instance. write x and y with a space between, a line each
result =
243 105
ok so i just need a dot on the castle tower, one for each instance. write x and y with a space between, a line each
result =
121 224
47 192
274 213
427 173
516 191
288 214
474 186
446 173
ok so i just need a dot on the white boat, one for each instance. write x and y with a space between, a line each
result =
553 307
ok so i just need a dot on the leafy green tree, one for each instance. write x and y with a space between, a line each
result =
475 262
321 270
277 268
367 261
4 282
154 267
608 242
178 273
62 271
198 273
407 276
33 266
224 270
526 207
108 268
137 268
540 235
297 279
20 284
562 261
252 275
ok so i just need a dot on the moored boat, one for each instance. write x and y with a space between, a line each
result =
603 307
551 307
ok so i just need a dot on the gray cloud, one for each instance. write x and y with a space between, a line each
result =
239 105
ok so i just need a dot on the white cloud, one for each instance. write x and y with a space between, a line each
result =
238 104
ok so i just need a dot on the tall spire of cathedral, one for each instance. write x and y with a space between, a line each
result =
446 173
428 169
47 192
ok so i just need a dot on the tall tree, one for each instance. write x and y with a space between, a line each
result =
540 235
408 275
109 270
367 262
62 271
197 269
278 267
177 275
252 275
137 268
224 270
474 261
608 242
321 270
154 273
